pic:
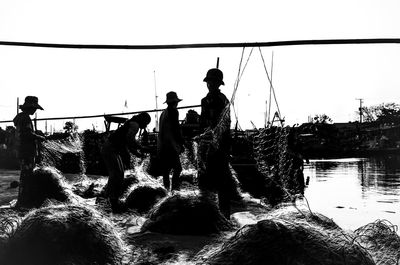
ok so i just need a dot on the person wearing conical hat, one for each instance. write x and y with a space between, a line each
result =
170 142
27 140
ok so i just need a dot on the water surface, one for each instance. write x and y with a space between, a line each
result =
355 191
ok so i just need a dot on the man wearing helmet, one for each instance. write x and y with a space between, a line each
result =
215 176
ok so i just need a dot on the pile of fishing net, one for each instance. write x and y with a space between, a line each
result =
380 238
290 238
87 187
46 183
186 214
63 234
64 152
143 197
141 191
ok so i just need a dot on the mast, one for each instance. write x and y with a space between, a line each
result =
156 98
270 89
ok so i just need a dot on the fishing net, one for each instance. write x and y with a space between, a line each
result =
92 143
380 238
64 152
64 234
288 238
75 153
186 214
280 163
143 197
45 183
213 137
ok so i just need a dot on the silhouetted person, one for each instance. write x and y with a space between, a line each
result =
27 146
116 154
216 176
170 142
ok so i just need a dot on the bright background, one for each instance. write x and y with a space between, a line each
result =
308 80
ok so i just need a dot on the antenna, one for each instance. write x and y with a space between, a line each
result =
156 97
217 62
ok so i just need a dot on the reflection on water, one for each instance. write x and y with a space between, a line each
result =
355 191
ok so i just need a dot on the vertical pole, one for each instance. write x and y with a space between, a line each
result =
35 121
270 88
156 97
360 108
266 114
217 62
17 105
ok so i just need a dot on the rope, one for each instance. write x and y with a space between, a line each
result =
270 82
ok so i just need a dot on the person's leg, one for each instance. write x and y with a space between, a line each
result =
177 167
165 168
115 168
223 183
166 180
25 182
224 203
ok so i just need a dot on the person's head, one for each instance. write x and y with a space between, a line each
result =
172 99
30 105
214 79
143 119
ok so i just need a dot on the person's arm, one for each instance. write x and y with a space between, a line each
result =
176 127
133 145
26 131
203 115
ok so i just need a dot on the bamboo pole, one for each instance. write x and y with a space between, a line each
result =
204 45
103 115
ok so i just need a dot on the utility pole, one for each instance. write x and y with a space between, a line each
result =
360 108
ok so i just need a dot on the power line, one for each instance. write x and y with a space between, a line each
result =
204 45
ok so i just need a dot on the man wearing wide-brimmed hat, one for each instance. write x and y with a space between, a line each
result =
170 142
27 141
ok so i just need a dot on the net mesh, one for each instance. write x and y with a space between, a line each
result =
274 152
380 238
279 162
64 152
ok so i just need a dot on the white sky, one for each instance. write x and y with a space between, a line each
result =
308 80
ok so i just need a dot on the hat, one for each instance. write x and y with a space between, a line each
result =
214 74
31 102
172 97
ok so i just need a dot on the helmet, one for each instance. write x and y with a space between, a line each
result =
214 74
